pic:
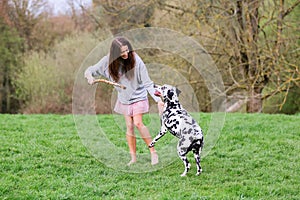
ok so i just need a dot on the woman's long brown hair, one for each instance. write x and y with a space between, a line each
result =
116 63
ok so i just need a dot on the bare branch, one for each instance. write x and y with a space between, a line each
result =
290 9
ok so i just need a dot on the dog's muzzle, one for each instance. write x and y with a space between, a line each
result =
157 93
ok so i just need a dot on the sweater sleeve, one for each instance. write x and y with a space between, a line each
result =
99 69
145 79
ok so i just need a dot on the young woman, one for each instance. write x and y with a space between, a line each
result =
124 66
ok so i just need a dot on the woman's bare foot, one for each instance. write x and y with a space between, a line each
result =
133 159
154 158
131 162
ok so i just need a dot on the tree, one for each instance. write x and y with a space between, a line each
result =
121 16
35 23
10 52
256 41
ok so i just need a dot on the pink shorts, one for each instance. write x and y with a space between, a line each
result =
132 109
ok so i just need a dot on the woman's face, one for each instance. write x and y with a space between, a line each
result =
124 52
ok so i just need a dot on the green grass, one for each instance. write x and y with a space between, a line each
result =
43 157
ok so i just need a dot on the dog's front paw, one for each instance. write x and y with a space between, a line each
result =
151 145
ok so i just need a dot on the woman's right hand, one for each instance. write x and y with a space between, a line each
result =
90 80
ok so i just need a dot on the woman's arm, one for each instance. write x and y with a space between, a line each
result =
99 69
145 79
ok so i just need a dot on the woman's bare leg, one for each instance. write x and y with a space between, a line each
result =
131 139
145 134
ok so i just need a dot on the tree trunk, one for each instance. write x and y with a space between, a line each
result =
255 86
254 103
1 89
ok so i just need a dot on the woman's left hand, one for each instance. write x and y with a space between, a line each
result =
160 106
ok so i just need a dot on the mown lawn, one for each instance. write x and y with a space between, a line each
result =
43 157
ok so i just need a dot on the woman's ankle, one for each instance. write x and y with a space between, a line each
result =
154 158
133 156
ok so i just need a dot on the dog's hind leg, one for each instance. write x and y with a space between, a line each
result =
182 151
197 147
183 147
187 165
197 159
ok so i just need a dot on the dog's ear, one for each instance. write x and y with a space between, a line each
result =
178 91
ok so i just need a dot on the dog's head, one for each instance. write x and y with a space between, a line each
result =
167 92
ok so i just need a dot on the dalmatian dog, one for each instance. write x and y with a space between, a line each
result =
179 123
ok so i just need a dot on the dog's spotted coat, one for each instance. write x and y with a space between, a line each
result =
179 123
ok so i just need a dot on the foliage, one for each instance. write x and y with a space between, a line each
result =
46 80
254 43
36 24
10 60
27 27
282 103
121 16
24 16
42 157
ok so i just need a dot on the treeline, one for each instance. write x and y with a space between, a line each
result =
255 45
29 29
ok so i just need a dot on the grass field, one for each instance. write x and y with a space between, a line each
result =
43 157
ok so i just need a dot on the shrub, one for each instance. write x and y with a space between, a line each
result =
277 104
45 81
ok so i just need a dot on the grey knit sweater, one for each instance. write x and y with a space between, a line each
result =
136 88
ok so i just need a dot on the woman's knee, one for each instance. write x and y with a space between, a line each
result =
139 124
129 124
130 128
